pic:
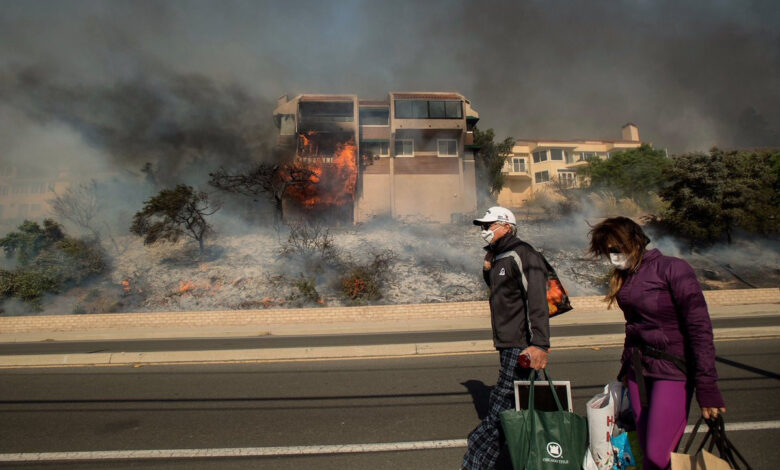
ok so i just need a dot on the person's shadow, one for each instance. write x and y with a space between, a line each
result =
480 396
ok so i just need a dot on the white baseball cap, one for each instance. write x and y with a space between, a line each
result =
497 214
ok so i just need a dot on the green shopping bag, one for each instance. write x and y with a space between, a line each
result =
545 440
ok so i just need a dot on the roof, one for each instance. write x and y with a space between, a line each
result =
427 96
327 98
580 141
374 103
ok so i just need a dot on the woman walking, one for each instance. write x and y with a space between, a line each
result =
669 351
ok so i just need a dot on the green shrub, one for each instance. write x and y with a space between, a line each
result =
307 289
30 239
49 261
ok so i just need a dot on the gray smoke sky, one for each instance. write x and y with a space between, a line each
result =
690 74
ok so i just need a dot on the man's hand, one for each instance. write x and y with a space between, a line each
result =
711 412
538 357
488 261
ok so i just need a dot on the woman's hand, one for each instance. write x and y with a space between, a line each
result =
711 412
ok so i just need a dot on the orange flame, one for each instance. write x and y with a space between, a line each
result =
186 286
335 176
126 285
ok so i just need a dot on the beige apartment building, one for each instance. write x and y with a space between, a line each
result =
414 152
536 163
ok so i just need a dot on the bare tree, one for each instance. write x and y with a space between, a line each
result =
271 180
81 205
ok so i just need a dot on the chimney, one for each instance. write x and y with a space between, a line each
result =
630 132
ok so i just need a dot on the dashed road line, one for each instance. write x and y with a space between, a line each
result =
162 454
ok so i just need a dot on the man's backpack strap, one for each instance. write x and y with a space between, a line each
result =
516 257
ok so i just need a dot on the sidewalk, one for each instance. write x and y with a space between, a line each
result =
442 322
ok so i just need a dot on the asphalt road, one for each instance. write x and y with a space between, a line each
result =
320 403
267 341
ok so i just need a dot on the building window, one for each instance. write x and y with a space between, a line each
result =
542 176
423 109
567 178
540 156
377 149
404 148
518 165
374 116
556 154
325 111
437 110
585 156
448 147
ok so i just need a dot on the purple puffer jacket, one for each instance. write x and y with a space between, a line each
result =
664 308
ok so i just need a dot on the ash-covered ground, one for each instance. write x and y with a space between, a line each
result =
410 263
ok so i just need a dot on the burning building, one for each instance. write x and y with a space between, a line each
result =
409 157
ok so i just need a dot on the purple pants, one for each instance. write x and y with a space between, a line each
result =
661 424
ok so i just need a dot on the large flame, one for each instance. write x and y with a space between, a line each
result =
334 175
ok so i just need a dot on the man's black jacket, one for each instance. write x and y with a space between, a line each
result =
509 314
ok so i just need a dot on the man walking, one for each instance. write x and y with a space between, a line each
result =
517 277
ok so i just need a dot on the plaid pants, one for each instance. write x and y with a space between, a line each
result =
486 439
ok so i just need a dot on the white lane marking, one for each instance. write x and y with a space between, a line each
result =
287 451
233 452
753 426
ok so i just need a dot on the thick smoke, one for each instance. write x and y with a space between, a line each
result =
690 74
177 127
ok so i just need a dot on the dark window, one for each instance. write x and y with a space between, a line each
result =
327 111
448 147
377 148
454 110
542 176
422 109
437 109
404 147
556 154
374 116
403 109
540 156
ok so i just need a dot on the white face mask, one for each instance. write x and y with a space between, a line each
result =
487 235
619 260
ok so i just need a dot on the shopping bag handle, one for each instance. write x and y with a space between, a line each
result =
716 437
552 389
725 447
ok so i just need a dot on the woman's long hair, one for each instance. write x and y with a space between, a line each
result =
622 233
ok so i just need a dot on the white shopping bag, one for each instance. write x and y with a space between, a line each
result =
589 463
602 410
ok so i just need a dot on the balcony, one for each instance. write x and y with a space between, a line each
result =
516 169
516 172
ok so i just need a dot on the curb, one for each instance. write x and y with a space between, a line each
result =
334 352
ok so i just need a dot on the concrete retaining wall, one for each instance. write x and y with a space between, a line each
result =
25 324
